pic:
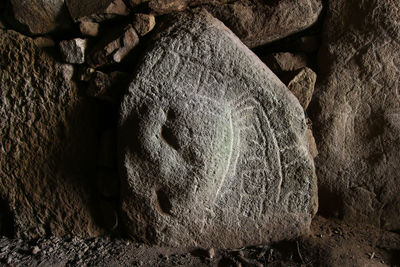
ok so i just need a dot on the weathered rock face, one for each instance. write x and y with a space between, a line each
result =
358 105
212 145
40 16
257 22
46 143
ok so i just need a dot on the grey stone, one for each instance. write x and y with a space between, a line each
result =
258 22
73 51
285 61
39 16
143 23
114 47
47 144
89 28
97 10
302 86
212 146
356 112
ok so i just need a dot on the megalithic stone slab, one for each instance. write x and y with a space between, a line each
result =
212 146
356 112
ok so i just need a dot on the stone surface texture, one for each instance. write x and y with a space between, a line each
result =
97 10
46 143
357 128
212 146
258 22
73 51
302 86
114 47
40 16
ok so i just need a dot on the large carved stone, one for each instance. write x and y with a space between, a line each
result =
358 105
47 152
212 145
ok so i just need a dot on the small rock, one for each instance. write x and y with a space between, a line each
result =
161 7
39 16
35 250
211 253
73 51
97 10
114 47
302 86
44 42
143 23
285 61
89 28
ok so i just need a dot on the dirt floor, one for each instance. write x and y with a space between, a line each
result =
329 243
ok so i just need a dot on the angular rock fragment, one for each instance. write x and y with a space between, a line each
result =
89 28
357 107
44 42
258 22
73 51
114 47
302 86
97 10
143 23
285 61
45 161
212 146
